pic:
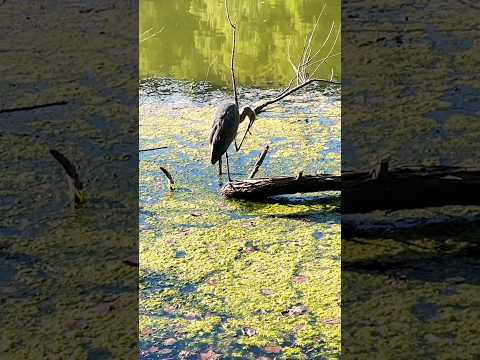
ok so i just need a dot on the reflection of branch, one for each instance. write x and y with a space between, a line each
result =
151 35
303 75
233 55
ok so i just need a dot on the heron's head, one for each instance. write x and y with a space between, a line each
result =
248 111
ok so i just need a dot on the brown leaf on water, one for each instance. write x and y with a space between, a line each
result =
170 242
299 327
152 349
209 355
266 292
300 279
79 324
247 331
169 341
272 349
103 308
295 311
146 331
185 354
132 260
170 309
248 225
331 321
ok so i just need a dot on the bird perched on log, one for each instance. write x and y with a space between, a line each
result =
224 130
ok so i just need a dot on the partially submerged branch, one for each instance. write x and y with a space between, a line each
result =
259 162
155 148
74 183
33 107
171 183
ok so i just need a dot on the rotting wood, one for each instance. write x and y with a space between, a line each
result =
399 188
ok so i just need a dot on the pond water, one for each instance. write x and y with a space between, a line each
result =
212 267
242 279
191 40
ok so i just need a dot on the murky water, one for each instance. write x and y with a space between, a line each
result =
241 279
191 39
211 268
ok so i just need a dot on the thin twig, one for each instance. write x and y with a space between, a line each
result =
157 148
33 107
234 29
259 162
151 35
171 183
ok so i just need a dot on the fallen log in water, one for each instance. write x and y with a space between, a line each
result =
265 187
381 188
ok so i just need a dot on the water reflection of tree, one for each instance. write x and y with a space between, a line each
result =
197 38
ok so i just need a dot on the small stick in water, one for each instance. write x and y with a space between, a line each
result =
156 148
72 176
259 162
171 183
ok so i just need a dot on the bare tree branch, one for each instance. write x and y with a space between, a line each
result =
259 162
234 30
259 109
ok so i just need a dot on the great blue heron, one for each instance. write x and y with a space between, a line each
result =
224 130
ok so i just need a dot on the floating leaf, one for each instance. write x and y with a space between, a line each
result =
332 321
209 355
247 331
300 279
272 349
169 341
152 349
146 331
295 311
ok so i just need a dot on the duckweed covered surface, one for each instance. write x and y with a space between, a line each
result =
238 279
413 292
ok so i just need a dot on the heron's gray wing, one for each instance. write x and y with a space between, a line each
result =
213 130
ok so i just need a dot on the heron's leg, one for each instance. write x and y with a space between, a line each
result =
220 166
228 167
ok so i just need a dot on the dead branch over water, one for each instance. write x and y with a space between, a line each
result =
399 188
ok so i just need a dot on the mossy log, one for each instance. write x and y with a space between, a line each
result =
364 191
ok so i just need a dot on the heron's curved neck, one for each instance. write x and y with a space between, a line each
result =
247 111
